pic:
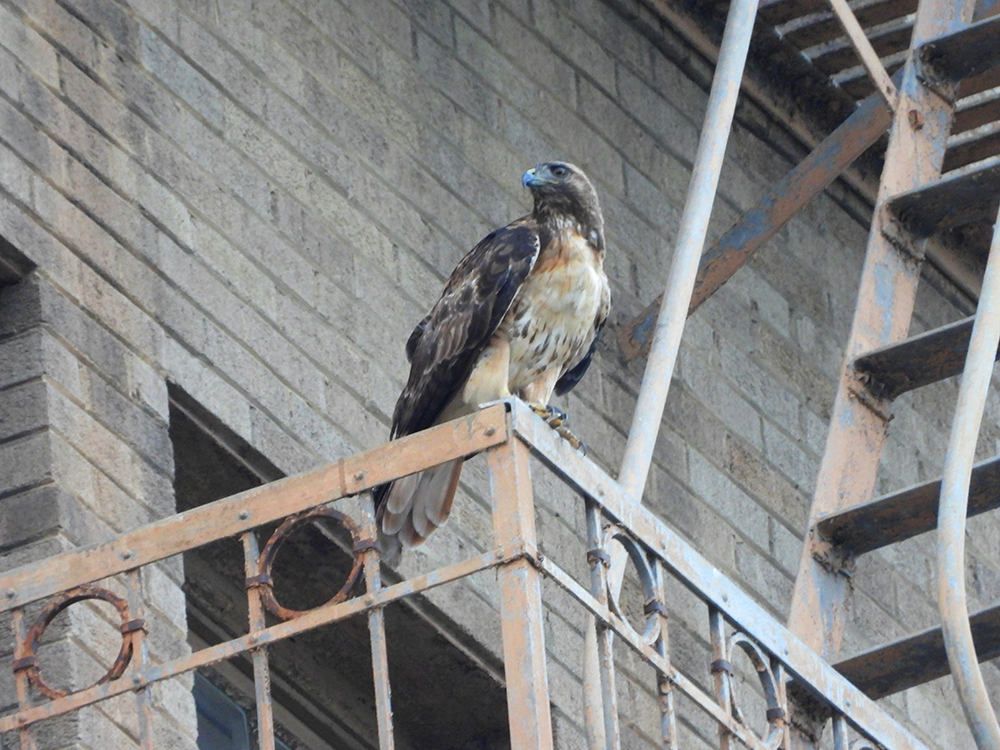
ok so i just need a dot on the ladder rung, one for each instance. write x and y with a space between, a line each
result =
961 197
918 658
916 361
901 515
966 52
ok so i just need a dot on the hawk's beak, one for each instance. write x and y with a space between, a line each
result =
529 178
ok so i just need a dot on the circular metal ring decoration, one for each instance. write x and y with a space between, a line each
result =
761 663
647 576
29 663
270 552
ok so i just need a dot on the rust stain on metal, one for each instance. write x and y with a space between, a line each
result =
28 663
264 579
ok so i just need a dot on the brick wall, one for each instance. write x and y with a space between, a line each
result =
255 200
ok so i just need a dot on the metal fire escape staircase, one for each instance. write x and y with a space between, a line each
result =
915 204
949 58
793 664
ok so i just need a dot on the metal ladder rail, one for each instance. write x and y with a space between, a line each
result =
858 425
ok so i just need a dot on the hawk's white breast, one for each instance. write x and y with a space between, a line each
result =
551 324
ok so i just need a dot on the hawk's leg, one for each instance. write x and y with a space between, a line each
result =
554 416
556 419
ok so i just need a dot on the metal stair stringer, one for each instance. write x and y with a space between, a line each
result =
891 272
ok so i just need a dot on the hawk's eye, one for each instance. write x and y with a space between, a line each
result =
560 171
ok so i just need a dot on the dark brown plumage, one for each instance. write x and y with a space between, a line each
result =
519 316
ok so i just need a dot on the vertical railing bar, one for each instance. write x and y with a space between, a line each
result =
593 700
665 688
140 657
778 670
690 244
839 732
953 508
376 629
261 670
720 666
25 734
521 614
604 637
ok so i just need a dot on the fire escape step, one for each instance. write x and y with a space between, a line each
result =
965 53
961 197
907 513
917 361
917 659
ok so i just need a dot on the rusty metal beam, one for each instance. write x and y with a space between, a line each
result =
970 51
891 371
323 615
521 613
376 628
907 513
961 197
707 582
261 666
917 658
788 196
239 513
621 630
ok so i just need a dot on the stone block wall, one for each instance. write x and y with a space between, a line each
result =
256 200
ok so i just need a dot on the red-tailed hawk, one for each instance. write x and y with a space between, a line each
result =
519 316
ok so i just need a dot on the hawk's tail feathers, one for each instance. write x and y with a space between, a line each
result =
417 504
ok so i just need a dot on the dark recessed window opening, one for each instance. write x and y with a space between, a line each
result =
446 694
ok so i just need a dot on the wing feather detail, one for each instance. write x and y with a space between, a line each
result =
445 345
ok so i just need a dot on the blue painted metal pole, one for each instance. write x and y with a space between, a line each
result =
690 243
954 505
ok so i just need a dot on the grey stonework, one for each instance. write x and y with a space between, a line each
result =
255 200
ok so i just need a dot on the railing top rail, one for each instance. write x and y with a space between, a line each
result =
710 584
260 505
486 429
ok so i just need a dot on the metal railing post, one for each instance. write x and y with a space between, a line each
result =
140 658
261 669
376 627
520 599
690 243
26 734
953 508
600 700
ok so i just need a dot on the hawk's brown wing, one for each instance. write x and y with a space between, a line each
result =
445 345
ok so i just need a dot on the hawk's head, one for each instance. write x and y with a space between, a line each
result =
564 194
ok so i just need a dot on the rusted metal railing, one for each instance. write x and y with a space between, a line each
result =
510 434
953 508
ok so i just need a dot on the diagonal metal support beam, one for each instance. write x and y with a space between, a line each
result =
788 196
869 57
